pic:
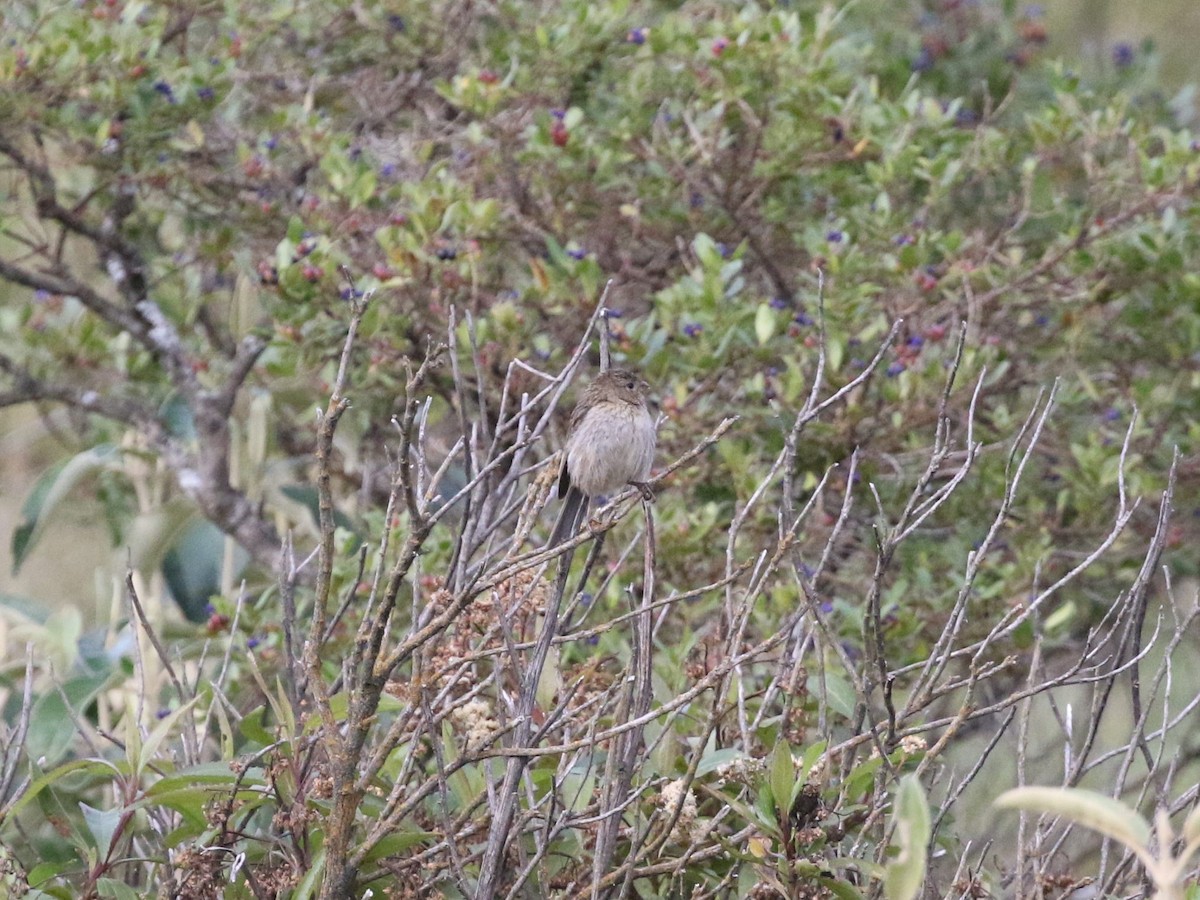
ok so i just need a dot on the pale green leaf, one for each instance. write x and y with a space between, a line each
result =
782 776
1092 810
905 875
765 321
102 825
48 493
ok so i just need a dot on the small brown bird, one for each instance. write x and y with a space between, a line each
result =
611 445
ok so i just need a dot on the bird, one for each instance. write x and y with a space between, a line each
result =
610 445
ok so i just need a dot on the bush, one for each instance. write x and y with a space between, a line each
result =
920 311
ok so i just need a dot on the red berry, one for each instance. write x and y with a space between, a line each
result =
487 76
925 281
559 134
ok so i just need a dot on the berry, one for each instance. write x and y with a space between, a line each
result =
254 166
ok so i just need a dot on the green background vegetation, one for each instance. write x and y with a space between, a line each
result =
194 199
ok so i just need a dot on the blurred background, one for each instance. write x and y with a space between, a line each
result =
1097 32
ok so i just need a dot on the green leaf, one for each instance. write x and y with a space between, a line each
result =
22 539
295 229
159 734
809 758
192 566
176 415
578 787
48 493
47 870
398 842
153 533
835 354
51 893
255 729
1092 810
838 692
782 777
706 251
840 889
905 875
39 784
26 607
214 773
550 681
102 825
52 722
110 887
765 320
363 187
714 759
311 881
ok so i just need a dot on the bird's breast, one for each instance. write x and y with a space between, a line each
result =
612 446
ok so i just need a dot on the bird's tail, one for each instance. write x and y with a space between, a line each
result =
571 516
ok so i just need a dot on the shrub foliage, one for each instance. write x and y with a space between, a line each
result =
921 309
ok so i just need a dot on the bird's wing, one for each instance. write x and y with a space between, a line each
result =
564 477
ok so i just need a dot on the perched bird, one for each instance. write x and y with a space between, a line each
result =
611 444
